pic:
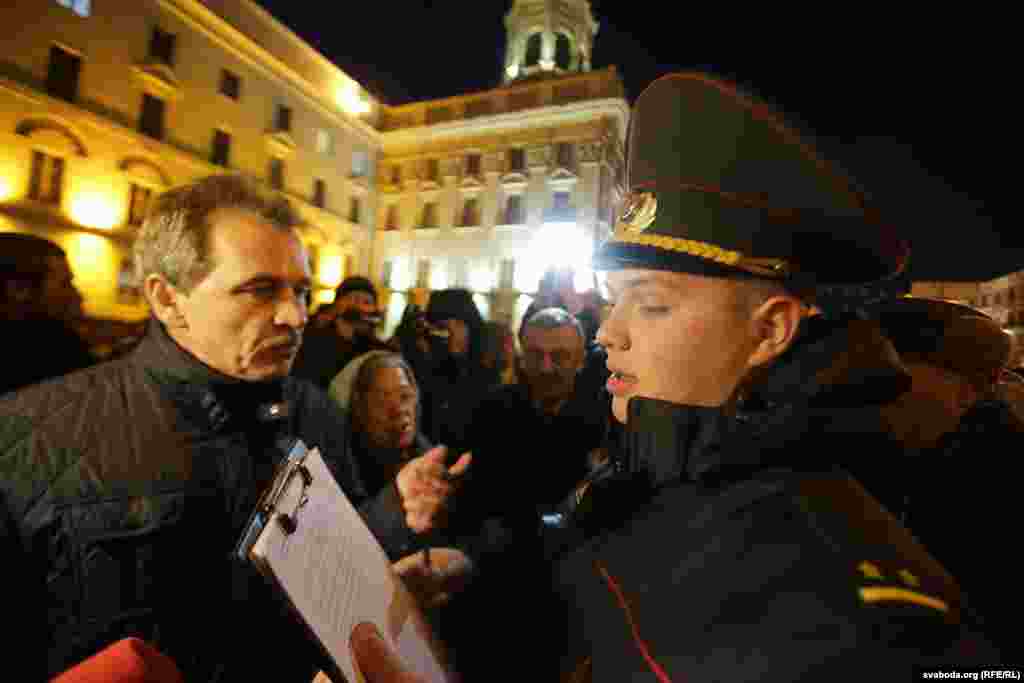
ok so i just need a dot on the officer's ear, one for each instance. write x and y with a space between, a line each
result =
165 300
774 324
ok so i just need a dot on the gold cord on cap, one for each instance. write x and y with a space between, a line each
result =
767 267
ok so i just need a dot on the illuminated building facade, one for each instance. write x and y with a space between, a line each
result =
487 190
105 104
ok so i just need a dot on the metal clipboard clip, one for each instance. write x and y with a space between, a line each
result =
292 465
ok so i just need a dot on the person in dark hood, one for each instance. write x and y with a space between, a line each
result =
346 330
38 305
444 345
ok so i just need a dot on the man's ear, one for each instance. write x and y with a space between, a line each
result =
775 324
165 301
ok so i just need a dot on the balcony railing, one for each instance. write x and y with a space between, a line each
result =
551 92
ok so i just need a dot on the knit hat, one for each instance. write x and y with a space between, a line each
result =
454 304
344 384
355 283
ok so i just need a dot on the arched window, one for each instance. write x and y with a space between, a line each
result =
563 52
533 44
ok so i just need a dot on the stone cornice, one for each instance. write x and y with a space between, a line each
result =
230 39
157 80
500 123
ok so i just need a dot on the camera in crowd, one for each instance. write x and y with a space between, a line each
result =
354 315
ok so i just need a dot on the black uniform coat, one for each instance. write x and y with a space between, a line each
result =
729 548
124 490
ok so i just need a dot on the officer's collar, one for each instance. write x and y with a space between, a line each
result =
206 396
823 384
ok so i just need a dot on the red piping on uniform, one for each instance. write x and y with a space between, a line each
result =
640 644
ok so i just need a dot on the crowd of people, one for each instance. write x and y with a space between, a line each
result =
715 476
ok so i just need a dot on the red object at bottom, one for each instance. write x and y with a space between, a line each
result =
127 661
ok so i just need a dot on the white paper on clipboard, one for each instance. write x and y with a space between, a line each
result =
336 575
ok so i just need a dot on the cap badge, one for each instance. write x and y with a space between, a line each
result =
638 212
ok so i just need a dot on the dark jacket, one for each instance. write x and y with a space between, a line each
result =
522 457
37 349
962 505
324 354
727 546
450 390
125 489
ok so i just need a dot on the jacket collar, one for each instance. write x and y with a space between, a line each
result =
827 383
208 399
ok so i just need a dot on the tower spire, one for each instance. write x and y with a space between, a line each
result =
548 37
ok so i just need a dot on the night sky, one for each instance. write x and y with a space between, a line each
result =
915 107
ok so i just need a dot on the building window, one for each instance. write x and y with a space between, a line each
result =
516 160
276 173
324 142
565 155
62 74
360 163
532 50
423 273
221 148
433 170
471 212
353 210
230 84
508 273
563 52
161 46
396 175
473 165
429 219
514 214
391 222
319 193
47 178
283 119
80 7
151 122
138 203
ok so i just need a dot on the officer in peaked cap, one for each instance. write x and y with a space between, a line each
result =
729 543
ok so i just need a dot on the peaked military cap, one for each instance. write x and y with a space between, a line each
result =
718 185
945 333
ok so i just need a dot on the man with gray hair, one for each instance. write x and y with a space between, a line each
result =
127 485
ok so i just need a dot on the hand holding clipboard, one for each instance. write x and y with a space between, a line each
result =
309 540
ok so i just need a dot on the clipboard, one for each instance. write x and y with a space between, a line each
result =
307 538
